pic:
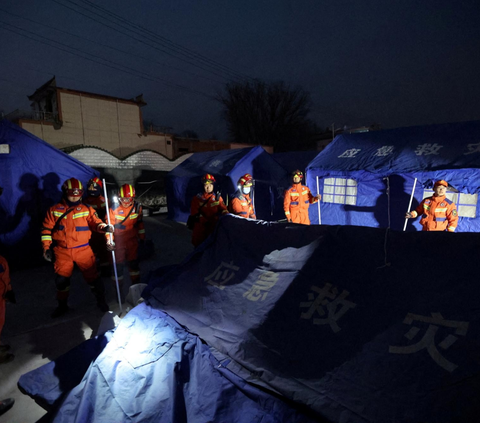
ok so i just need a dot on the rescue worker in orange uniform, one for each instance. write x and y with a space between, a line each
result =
206 207
97 201
241 203
69 225
438 212
297 200
127 218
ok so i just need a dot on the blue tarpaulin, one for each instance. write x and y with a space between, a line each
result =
353 324
32 172
366 179
227 166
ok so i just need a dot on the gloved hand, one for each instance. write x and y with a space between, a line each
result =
48 255
10 297
110 246
106 228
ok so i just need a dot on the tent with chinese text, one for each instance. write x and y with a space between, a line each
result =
366 179
227 166
344 322
32 172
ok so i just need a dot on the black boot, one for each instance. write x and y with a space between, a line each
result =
98 290
61 309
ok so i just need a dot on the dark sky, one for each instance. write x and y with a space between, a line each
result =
392 62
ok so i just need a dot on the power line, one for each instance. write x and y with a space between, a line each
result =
164 40
110 47
133 37
112 65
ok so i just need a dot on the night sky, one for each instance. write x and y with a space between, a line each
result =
392 62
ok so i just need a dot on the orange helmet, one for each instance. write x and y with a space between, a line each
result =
441 182
208 179
245 180
126 194
72 187
298 173
95 181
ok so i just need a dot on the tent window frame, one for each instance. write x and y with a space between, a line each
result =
340 190
465 202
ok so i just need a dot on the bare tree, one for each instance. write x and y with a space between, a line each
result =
268 114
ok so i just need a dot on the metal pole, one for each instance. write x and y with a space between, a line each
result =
113 252
318 202
410 204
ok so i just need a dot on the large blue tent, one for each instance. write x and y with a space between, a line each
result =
367 178
344 322
32 172
271 180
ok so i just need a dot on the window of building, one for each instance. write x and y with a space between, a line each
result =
340 191
466 203
169 142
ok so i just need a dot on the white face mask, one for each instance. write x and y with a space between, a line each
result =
246 190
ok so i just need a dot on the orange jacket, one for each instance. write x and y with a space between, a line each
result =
98 204
133 226
296 201
211 211
241 205
75 229
438 214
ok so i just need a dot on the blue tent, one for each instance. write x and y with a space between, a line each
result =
345 322
32 172
271 179
366 179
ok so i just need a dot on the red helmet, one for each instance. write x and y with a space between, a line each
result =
95 181
208 179
127 191
72 187
245 180
126 194
298 173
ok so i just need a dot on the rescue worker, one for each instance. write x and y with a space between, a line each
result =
127 218
97 201
297 200
206 208
241 203
69 225
6 294
438 212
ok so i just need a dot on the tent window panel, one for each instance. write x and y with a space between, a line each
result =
468 199
340 191
466 211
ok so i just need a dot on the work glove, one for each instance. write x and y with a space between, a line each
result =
110 246
48 255
106 228
10 297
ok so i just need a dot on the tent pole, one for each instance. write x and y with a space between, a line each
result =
318 203
410 204
113 252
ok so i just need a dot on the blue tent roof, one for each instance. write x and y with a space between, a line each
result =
428 148
294 160
32 173
271 179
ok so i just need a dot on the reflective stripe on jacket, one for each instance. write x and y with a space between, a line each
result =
241 205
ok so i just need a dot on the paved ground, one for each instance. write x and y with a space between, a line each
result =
36 339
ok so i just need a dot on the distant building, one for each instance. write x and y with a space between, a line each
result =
71 119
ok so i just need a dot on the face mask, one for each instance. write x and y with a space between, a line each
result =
246 190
